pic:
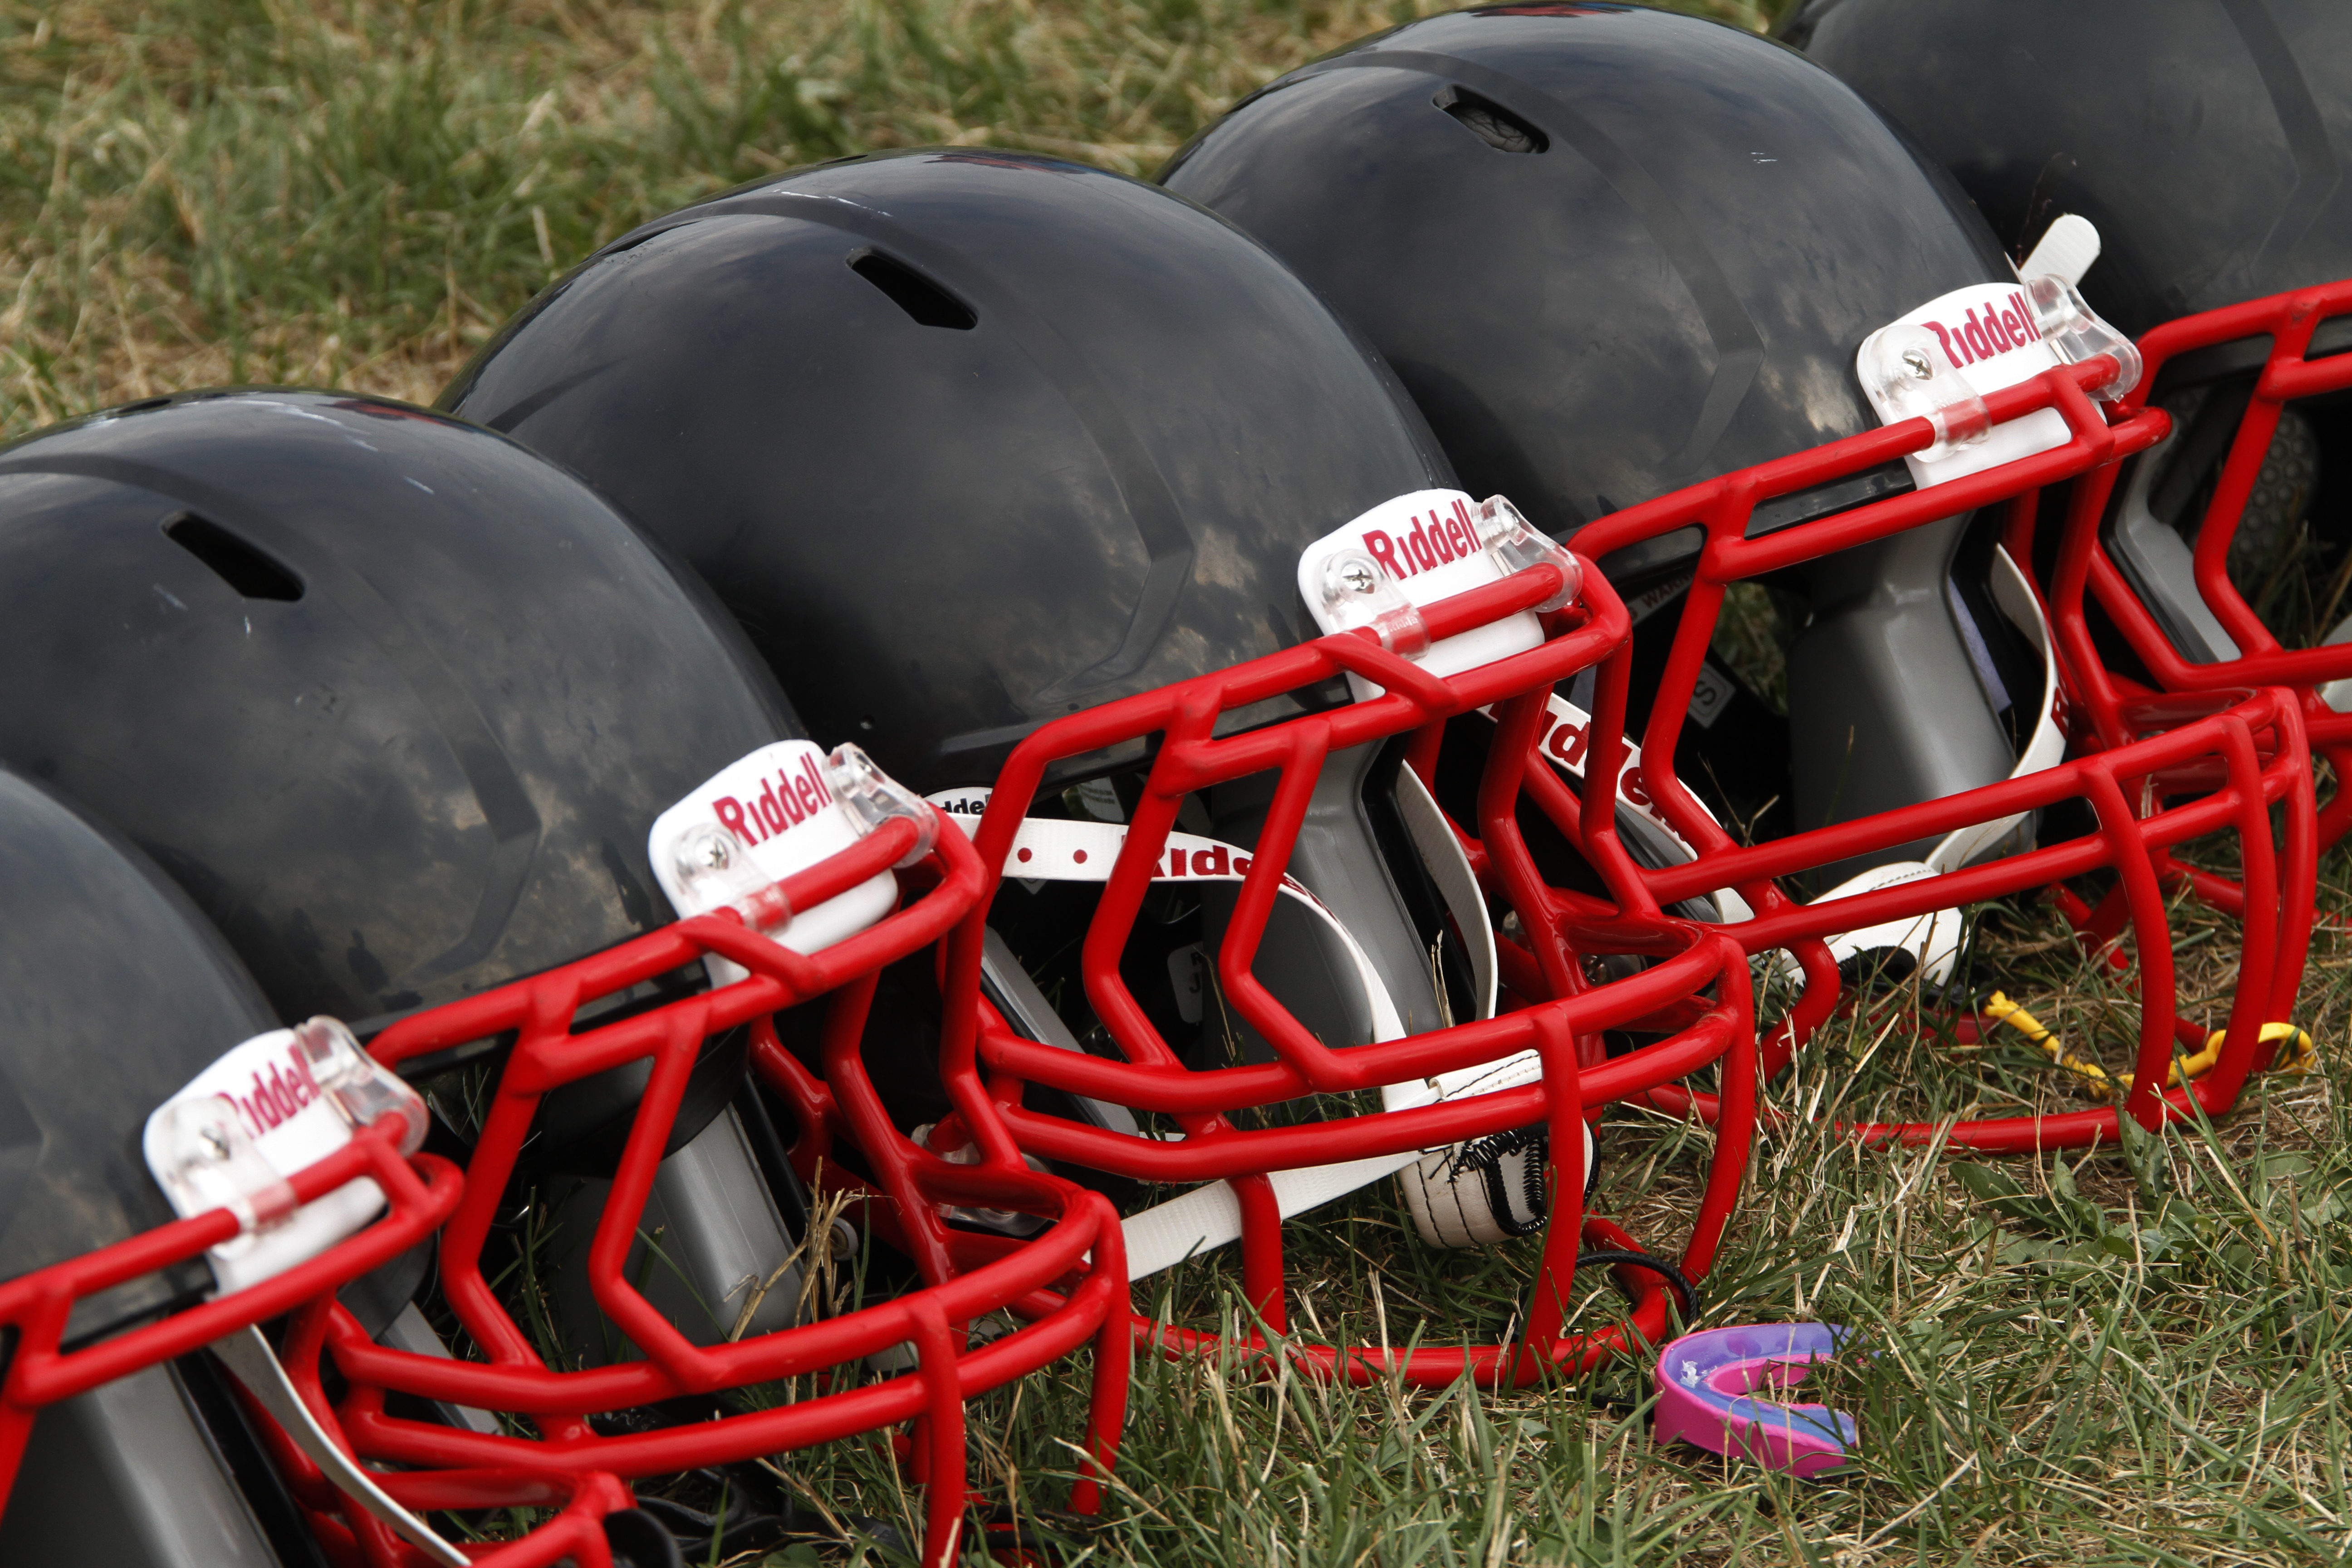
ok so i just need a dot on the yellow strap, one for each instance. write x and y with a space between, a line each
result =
2001 1010
2303 1054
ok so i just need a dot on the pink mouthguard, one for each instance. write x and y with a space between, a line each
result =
1707 1382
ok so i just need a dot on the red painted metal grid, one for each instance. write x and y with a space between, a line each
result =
2241 752
569 1465
2106 697
986 1062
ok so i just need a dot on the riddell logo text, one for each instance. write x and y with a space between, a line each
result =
1565 737
2002 328
796 793
1437 540
1218 861
279 1097
1565 740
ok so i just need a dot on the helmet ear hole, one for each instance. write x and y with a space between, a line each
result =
1490 123
927 303
238 563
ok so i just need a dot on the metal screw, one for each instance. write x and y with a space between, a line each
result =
1357 575
1916 363
706 851
215 1143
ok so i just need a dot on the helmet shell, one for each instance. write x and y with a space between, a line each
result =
1609 251
392 700
967 439
114 993
1613 251
2204 138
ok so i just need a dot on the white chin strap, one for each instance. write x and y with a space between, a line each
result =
1459 1194
1933 940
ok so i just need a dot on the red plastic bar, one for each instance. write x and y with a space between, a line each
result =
988 1067
2240 760
2288 371
1078 1261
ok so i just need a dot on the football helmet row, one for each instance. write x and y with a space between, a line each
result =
1184 811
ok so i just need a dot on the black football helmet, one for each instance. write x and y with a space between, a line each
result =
447 747
396 703
1611 252
1672 287
2200 139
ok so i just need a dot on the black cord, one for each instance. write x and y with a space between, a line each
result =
1676 1280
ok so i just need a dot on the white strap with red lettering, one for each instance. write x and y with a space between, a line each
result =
1567 734
1051 850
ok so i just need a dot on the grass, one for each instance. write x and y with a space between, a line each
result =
2132 1356
355 192
2141 1356
2135 1356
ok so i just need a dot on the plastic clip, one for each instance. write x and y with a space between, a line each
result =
873 798
716 871
362 1089
1357 593
1909 377
2076 333
1516 545
209 1162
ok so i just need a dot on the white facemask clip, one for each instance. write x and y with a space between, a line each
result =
1514 545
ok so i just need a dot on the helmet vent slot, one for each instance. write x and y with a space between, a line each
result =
1489 122
243 566
925 302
